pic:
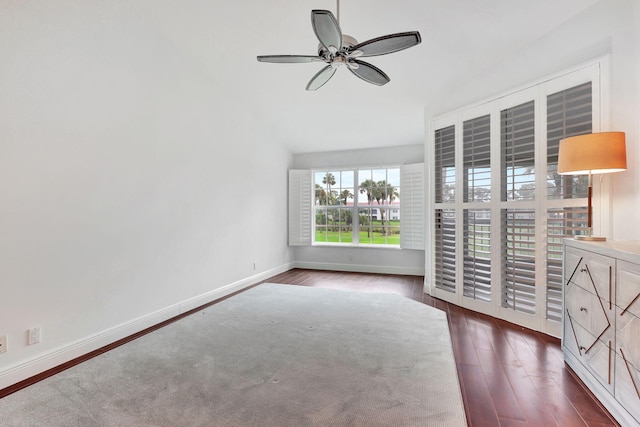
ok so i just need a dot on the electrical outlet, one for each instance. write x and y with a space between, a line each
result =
3 343
34 335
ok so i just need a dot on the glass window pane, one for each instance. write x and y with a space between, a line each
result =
477 159
393 177
568 114
519 260
477 254
517 137
445 171
445 249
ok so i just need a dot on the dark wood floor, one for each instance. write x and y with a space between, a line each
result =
509 375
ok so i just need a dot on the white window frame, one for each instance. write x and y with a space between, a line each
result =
412 204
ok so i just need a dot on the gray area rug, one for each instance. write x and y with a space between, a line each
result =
275 355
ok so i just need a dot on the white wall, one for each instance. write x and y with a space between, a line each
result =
610 27
376 260
130 182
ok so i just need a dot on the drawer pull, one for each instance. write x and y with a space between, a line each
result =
630 371
630 304
582 348
583 270
583 309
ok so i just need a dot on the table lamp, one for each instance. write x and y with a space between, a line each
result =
593 153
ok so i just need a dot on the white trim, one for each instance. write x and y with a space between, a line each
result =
56 357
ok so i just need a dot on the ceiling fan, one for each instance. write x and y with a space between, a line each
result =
337 50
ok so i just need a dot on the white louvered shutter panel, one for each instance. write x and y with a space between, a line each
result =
445 218
299 208
519 260
569 113
412 206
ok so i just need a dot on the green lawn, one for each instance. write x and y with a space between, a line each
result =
376 236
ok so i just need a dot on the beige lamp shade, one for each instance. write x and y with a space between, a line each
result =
592 153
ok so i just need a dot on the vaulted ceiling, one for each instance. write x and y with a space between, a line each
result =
460 39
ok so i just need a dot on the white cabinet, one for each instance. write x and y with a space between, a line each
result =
627 383
601 326
589 331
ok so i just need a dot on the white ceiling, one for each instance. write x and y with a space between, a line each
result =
460 39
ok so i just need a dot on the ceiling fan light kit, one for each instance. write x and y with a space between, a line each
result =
339 50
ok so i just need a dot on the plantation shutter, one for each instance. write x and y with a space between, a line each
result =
569 113
517 147
445 219
445 250
517 136
299 208
476 233
500 210
445 164
477 254
476 148
412 212
519 260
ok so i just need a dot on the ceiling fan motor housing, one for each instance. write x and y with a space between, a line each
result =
347 43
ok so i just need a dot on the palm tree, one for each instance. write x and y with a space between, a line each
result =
321 195
381 198
345 195
388 193
328 179
345 213
369 187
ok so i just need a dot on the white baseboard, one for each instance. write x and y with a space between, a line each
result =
361 268
215 294
24 370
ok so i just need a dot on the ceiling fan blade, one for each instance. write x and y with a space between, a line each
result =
388 44
289 59
321 78
369 73
326 28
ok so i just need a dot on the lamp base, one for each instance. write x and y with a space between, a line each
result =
591 238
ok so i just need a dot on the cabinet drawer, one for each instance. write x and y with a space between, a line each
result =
590 271
627 386
628 289
587 310
597 355
628 337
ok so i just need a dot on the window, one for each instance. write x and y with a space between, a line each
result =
333 201
500 209
477 160
358 207
372 196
